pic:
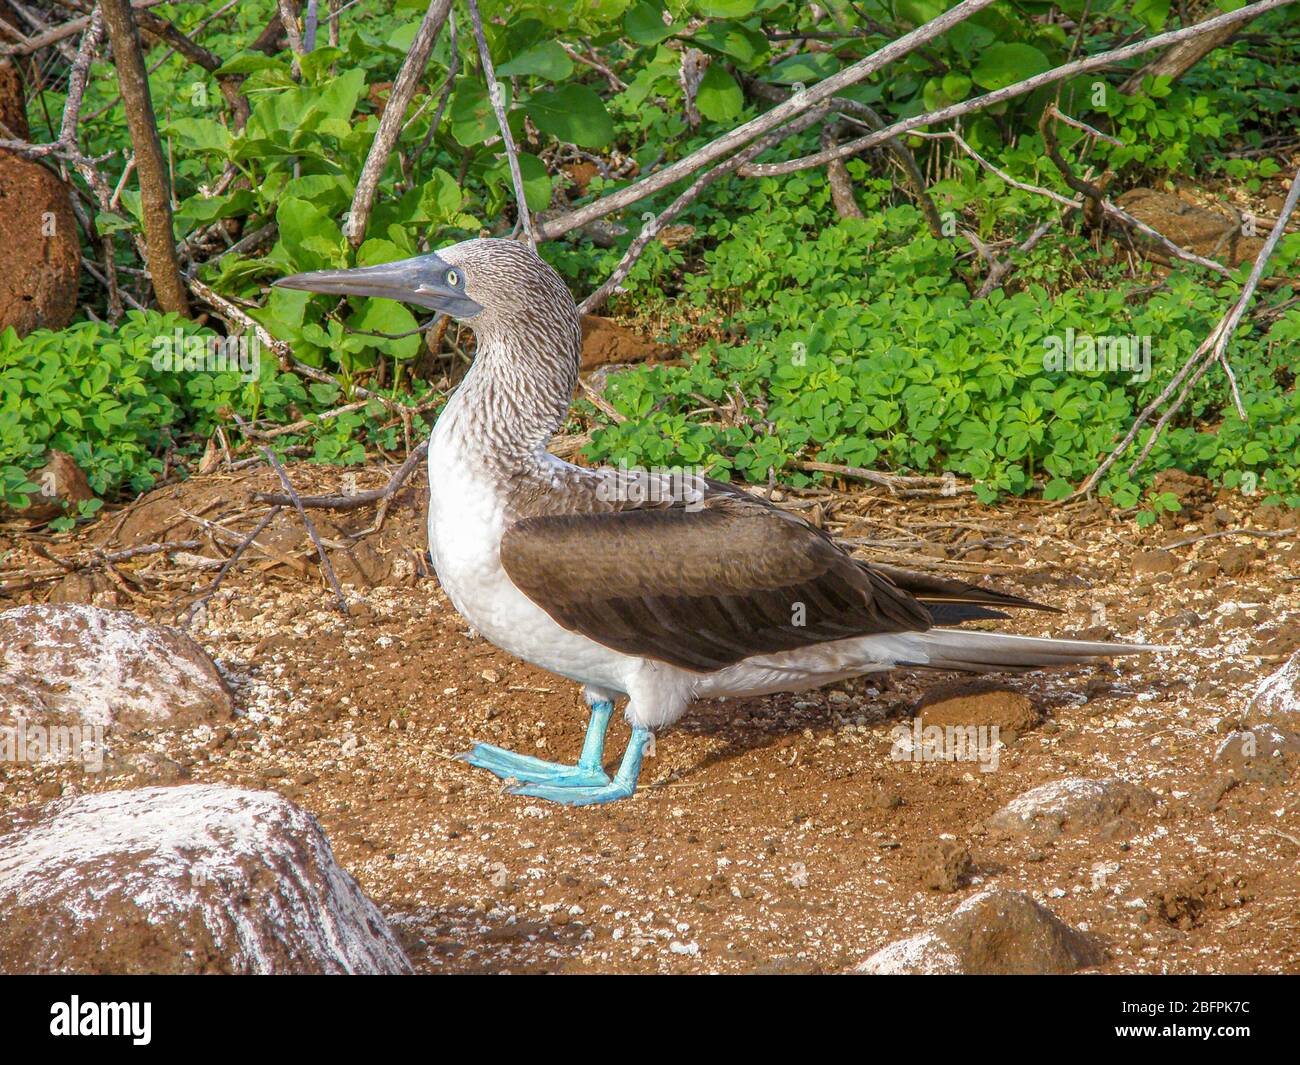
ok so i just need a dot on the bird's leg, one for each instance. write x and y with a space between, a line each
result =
621 787
524 767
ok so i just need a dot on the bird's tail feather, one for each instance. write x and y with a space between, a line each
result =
989 652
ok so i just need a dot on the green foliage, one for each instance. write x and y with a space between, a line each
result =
859 340
862 348
118 399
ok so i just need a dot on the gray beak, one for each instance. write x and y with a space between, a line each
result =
426 281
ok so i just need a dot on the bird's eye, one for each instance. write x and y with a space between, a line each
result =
453 278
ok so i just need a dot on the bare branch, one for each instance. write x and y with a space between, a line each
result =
764 123
655 225
1020 88
1212 349
498 106
390 124
151 170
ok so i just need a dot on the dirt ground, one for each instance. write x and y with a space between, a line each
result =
774 834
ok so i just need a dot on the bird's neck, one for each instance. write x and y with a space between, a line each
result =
517 392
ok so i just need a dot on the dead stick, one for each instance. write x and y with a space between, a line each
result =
211 590
390 124
360 499
764 123
495 93
1216 344
977 103
151 170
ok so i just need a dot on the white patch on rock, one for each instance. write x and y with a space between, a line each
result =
994 932
202 878
1279 693
1070 805
86 665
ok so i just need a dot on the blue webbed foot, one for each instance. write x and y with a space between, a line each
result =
576 796
524 767
623 786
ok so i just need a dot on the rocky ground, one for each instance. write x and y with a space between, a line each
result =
1149 806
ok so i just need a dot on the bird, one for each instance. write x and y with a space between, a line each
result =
658 587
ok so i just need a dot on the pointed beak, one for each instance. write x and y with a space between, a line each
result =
426 281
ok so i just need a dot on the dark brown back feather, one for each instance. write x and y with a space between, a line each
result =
703 588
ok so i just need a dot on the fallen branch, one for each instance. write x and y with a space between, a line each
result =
358 499
895 483
211 589
308 524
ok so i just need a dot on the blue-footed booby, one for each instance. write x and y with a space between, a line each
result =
657 588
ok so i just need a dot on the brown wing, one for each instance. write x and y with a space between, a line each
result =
701 588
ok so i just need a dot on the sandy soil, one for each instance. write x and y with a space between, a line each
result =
773 834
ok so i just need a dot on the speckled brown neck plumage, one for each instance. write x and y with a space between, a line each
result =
517 393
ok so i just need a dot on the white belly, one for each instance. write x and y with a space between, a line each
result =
465 527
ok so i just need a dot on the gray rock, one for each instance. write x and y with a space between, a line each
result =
1073 806
194 879
994 933
83 665
1277 699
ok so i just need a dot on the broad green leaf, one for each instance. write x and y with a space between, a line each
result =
384 316
202 133
725 8
573 113
1005 64
548 60
1152 13
732 39
645 24
805 68
719 98
472 119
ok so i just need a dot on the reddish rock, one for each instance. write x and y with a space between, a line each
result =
994 933
979 703
13 114
62 486
192 879
1215 234
109 668
1155 561
1277 699
38 286
605 341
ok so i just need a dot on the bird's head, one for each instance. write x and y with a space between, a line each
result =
483 282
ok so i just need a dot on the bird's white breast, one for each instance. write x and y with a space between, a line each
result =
466 523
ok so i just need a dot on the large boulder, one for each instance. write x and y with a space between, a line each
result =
82 665
994 933
194 879
42 256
